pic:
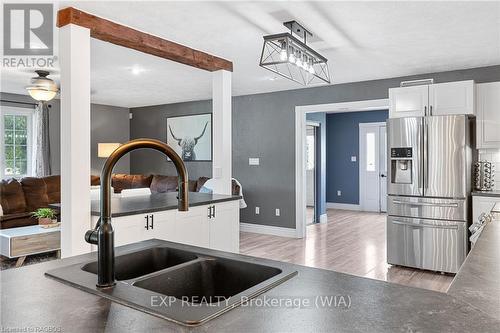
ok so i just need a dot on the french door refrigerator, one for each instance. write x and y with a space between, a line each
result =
429 170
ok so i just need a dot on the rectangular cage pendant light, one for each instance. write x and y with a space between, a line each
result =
288 56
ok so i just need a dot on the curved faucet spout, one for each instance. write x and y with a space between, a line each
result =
103 235
142 144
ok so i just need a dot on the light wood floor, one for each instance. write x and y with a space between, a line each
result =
350 242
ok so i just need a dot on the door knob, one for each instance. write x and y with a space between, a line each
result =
382 175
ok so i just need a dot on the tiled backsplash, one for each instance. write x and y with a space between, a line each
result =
492 155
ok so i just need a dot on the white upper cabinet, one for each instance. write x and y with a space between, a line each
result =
408 101
488 115
451 98
432 100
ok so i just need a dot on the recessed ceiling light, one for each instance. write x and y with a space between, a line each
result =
136 70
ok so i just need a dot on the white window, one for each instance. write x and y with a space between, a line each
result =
370 151
15 142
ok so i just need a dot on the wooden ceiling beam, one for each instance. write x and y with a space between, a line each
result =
118 34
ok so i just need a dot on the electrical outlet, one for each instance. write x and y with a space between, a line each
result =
353 158
339 193
277 212
257 210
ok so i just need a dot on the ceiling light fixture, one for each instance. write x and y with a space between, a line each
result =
291 57
42 88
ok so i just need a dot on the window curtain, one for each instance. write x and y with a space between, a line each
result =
41 145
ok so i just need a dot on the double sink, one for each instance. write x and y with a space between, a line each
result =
184 284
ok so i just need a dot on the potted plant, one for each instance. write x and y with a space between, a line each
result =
45 216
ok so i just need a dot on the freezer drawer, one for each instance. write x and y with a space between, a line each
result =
428 244
428 208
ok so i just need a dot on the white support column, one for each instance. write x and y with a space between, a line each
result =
221 124
74 58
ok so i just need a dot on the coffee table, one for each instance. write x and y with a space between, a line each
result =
23 241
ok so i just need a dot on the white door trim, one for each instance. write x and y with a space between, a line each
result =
362 189
300 158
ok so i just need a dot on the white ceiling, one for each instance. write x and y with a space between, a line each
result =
362 40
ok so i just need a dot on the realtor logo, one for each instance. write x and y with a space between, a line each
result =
28 29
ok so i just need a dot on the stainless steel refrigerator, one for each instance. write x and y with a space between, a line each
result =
429 208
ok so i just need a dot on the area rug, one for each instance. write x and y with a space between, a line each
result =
6 263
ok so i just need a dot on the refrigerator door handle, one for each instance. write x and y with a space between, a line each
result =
421 166
425 225
426 155
401 202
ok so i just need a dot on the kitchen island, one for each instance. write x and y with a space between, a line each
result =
213 220
338 303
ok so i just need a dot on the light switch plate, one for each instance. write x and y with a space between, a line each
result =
339 193
353 158
254 161
257 210
278 212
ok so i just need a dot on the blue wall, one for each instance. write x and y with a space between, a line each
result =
342 142
320 117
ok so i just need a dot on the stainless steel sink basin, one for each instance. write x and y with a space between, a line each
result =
140 263
209 280
180 283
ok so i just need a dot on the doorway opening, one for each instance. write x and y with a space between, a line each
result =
312 167
373 167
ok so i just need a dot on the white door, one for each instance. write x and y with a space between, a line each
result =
383 167
371 185
408 101
451 98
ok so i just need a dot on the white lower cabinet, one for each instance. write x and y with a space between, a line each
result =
224 232
192 227
481 205
214 226
161 225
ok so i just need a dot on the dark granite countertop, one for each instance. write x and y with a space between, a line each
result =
478 281
30 299
156 202
486 193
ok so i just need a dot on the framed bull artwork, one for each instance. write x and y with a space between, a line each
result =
191 136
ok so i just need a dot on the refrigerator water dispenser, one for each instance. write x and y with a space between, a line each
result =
401 165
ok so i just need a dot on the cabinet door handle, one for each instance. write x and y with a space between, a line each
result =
213 214
430 110
425 110
209 209
152 221
147 222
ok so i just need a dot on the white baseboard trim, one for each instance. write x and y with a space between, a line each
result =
335 205
323 218
268 230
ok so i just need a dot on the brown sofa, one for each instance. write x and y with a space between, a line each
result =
19 198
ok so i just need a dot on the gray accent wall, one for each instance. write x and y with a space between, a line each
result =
264 127
108 124
151 122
